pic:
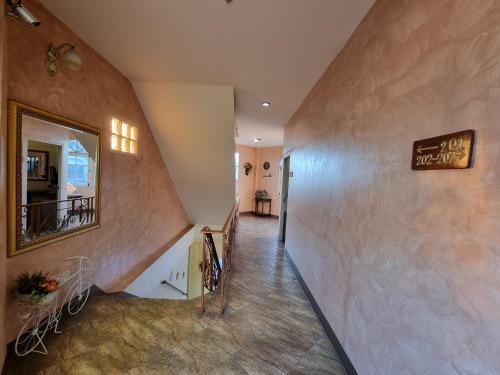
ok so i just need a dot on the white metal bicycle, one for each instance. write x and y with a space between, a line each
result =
73 290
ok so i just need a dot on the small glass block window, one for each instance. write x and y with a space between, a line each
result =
123 137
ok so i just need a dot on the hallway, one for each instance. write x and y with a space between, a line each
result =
269 326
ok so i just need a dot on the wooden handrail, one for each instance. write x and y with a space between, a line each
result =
227 226
206 230
213 276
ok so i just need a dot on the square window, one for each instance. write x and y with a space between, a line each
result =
78 164
125 145
125 130
115 142
133 147
124 137
133 133
115 126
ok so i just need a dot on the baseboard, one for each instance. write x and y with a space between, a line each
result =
96 291
251 213
121 294
346 362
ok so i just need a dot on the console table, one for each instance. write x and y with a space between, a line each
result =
262 202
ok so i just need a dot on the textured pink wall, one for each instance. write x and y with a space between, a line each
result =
141 211
255 181
246 184
404 264
270 184
3 183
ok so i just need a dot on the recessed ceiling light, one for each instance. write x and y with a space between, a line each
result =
256 140
265 104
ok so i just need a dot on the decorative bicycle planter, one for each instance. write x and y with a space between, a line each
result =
73 290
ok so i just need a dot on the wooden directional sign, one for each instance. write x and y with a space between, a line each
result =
450 151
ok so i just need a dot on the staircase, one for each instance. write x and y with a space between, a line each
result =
214 275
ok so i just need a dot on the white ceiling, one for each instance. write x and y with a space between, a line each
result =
272 50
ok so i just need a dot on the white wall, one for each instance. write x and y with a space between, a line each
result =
172 266
194 128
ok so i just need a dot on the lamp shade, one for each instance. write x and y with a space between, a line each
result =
71 59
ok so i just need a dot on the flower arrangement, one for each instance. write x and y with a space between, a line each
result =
35 287
261 194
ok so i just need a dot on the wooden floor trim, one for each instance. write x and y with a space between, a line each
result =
251 213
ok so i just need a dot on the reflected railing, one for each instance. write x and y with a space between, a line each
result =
46 218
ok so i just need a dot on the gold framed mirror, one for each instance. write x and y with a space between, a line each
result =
53 178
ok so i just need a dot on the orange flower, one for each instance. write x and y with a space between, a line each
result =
52 285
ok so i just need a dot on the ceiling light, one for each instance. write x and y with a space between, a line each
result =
265 104
257 140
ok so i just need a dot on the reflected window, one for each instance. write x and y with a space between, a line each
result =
78 164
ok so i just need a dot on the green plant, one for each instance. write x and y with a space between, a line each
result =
23 283
38 285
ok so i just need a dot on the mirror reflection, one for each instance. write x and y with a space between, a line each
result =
58 178
53 170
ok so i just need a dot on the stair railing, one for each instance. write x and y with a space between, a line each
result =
213 274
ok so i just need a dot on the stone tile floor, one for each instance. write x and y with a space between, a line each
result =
269 326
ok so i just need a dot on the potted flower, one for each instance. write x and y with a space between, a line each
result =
260 194
35 288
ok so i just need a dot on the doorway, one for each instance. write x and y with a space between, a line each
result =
284 198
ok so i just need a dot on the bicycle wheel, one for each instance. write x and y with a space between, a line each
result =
77 299
31 335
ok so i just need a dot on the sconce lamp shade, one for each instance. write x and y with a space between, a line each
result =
71 59
64 55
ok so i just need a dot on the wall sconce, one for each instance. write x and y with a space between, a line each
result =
66 55
248 168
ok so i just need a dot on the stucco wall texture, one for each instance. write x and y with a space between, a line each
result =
262 180
140 209
404 263
248 185
3 179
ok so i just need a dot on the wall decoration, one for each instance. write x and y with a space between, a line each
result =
248 168
450 151
266 167
43 298
38 164
39 216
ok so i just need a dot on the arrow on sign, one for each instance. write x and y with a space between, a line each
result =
420 148
459 154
